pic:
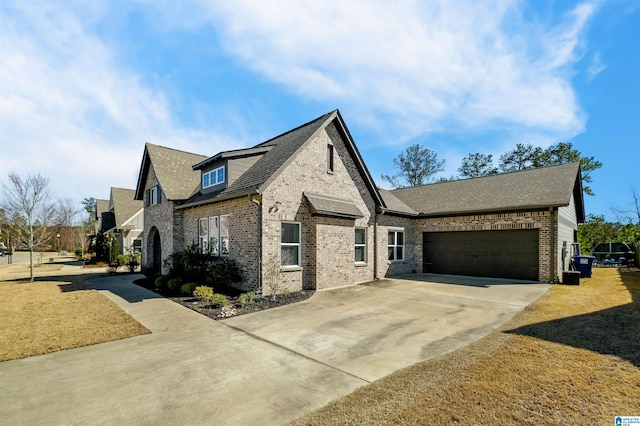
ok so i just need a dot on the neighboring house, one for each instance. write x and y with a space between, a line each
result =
124 220
102 208
301 211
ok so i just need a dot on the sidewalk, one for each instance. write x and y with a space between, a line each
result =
190 370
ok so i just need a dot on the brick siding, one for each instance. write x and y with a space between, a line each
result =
243 234
327 252
539 219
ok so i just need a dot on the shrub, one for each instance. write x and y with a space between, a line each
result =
161 282
174 284
203 293
189 264
222 272
112 269
246 299
133 261
188 288
218 300
121 259
193 266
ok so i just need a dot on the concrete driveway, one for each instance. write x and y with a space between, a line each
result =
371 330
269 367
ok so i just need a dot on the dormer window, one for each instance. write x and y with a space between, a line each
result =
212 178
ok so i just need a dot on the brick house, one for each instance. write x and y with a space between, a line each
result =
513 225
301 211
165 180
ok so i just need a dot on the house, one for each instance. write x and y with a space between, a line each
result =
513 225
102 208
125 220
301 211
166 179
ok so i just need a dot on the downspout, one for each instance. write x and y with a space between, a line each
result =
259 246
552 238
375 245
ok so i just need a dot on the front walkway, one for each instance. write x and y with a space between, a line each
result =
268 367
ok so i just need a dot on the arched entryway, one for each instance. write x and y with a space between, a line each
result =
154 258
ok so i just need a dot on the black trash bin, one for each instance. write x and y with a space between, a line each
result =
584 264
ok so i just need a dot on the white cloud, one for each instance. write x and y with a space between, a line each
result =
418 66
596 66
70 111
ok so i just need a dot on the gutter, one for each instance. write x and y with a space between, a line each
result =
375 246
217 199
553 211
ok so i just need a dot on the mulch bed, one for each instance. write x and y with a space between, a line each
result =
234 309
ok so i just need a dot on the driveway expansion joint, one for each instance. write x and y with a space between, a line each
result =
291 351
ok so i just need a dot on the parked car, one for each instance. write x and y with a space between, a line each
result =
613 252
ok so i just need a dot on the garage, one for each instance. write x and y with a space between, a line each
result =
499 254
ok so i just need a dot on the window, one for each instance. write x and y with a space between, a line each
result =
290 244
203 235
153 197
214 177
213 235
137 245
329 158
361 245
396 245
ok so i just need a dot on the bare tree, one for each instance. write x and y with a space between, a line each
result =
629 214
30 211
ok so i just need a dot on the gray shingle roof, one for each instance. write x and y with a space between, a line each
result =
124 205
325 205
282 150
394 204
174 170
101 207
526 189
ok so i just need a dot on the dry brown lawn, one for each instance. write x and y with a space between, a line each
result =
48 316
571 358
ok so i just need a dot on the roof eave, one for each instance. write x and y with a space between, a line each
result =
336 214
496 210
373 189
386 211
218 199
247 152
144 167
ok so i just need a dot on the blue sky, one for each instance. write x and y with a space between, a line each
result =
83 85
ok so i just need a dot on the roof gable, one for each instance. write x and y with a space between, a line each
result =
101 207
173 169
124 205
277 153
521 190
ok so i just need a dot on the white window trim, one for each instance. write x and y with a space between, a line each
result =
213 177
356 245
204 240
298 244
154 190
395 244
